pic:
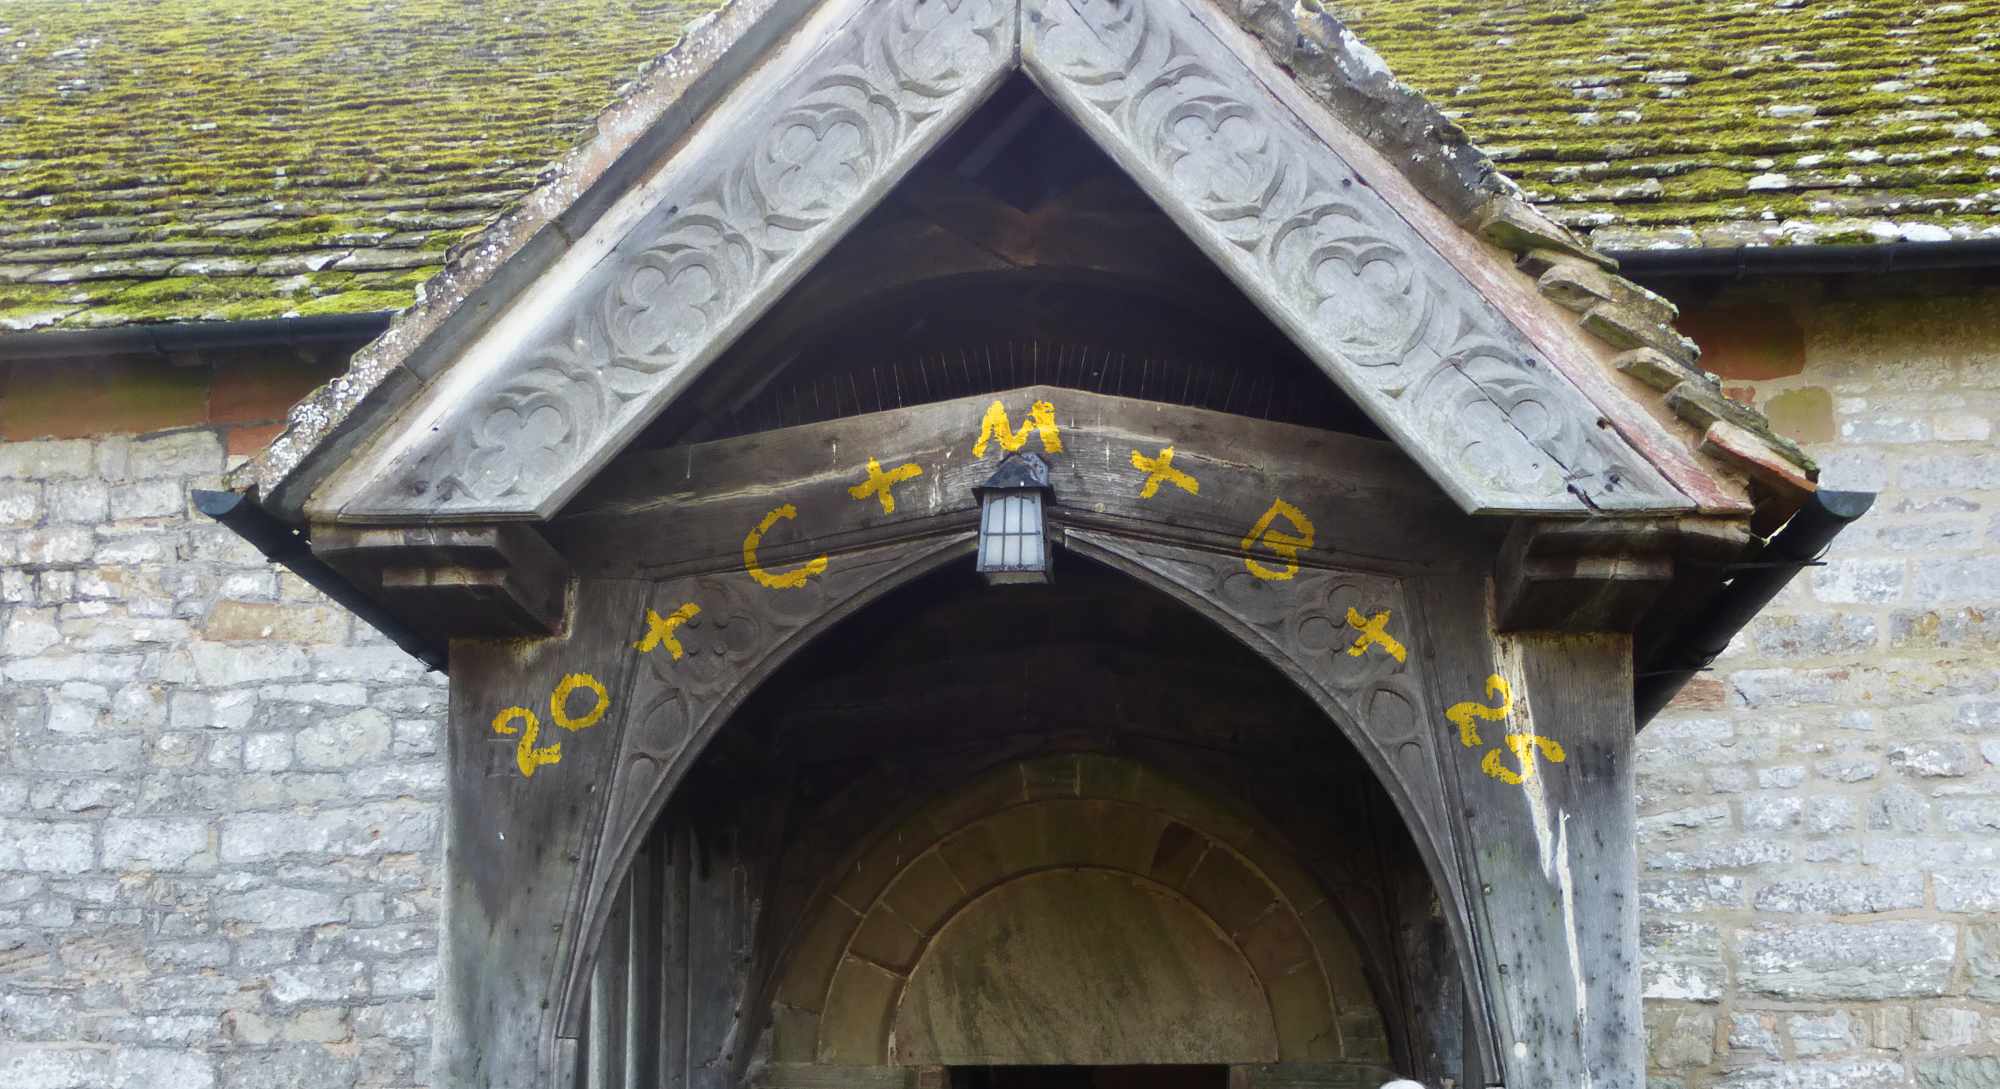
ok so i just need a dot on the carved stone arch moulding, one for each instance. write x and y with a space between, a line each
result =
858 984
811 139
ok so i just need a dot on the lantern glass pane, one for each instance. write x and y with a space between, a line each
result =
1010 536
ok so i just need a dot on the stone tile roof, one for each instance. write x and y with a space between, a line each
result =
219 159
225 159
1704 123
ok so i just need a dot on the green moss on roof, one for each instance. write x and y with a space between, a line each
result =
1683 122
209 159
203 159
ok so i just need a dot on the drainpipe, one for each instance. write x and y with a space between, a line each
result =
1751 587
289 548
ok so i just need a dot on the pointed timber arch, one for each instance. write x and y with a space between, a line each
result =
666 711
1425 328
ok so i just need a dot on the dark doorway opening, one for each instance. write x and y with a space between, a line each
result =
1089 1077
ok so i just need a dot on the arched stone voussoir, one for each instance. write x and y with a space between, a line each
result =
861 984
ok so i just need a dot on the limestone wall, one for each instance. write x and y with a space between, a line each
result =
219 796
1820 815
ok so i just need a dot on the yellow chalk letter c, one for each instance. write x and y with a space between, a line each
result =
787 580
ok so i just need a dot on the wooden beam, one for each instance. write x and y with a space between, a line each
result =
526 751
1583 579
1355 501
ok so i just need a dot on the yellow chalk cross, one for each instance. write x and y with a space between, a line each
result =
879 483
660 630
1373 633
1160 470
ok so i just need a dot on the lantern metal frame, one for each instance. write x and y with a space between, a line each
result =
1013 522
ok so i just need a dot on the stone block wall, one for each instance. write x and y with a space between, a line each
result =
1820 815
219 795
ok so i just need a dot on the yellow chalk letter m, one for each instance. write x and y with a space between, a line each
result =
1041 421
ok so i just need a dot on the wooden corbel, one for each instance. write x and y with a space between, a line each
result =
445 582
1602 575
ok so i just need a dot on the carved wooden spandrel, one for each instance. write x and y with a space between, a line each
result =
793 157
742 633
1304 626
1401 330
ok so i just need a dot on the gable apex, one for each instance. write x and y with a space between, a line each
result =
1427 327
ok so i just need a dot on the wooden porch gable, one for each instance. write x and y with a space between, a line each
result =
1485 384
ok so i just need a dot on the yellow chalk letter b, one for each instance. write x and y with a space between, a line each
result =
1280 543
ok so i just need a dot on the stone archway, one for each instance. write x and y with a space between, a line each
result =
1075 909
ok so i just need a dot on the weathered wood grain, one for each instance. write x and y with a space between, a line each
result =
514 842
1590 577
454 581
689 509
1552 856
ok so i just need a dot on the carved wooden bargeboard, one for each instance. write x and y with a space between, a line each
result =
662 284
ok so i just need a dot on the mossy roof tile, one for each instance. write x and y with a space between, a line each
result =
1700 123
287 156
228 140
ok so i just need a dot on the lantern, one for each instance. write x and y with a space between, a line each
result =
1013 532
